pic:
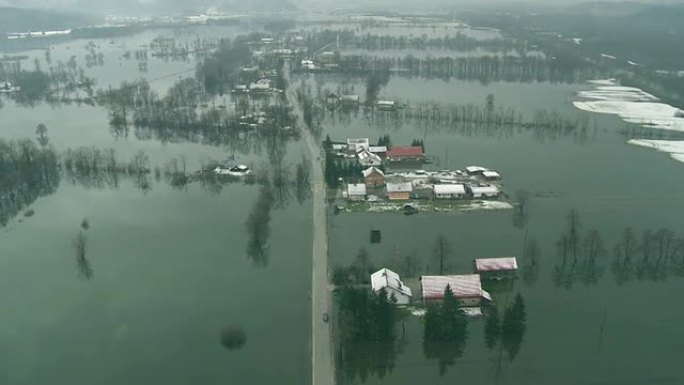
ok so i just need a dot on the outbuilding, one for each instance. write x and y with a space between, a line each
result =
466 288
484 191
405 153
491 175
489 265
356 191
449 191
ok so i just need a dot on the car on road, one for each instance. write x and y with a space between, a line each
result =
325 317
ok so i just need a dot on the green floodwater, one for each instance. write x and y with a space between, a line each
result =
576 333
170 267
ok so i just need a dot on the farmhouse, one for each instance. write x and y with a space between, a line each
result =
390 281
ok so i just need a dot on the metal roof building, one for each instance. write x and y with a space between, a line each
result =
496 264
467 288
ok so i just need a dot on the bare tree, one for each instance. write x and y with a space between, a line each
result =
442 252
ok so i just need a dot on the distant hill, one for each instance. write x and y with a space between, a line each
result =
14 19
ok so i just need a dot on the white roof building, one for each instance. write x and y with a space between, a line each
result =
367 158
496 264
464 287
446 191
490 174
356 191
484 191
475 170
390 281
378 149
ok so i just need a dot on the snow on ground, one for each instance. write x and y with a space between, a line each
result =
630 104
673 147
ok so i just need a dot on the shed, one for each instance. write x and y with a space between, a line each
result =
475 170
349 100
484 191
466 288
399 191
373 177
385 104
356 191
491 175
390 281
449 191
496 264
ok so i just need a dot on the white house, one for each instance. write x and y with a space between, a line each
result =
355 144
390 281
484 191
356 191
449 191
367 158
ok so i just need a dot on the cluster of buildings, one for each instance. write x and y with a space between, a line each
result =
473 182
421 184
467 288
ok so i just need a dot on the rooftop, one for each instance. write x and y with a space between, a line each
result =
496 264
399 187
449 189
463 286
371 170
356 189
387 278
405 151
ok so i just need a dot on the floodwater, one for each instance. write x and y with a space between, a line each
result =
169 265
583 329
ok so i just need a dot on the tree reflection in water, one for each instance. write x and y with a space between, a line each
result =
446 332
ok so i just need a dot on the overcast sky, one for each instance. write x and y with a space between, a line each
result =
174 6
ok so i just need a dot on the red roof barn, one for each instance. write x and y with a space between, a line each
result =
396 154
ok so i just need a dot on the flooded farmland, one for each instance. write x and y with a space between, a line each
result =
135 248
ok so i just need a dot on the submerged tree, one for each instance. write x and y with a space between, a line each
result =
442 251
513 327
82 263
258 227
446 331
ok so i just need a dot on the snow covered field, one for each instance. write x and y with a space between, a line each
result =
673 147
630 104
635 106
